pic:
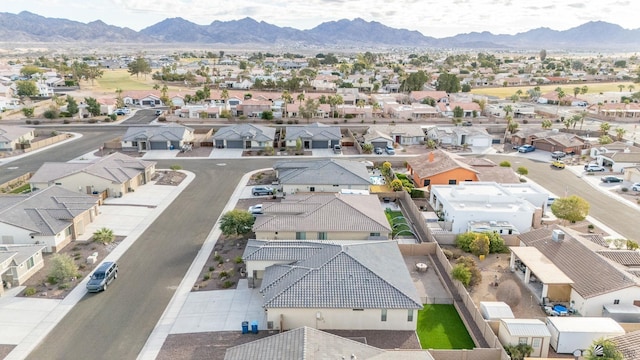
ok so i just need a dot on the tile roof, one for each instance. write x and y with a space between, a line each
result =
592 275
628 344
624 257
322 172
369 275
501 175
170 132
304 343
442 162
117 168
45 212
324 212
12 133
282 250
597 239
245 132
316 131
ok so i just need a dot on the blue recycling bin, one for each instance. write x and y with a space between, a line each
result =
254 327
245 327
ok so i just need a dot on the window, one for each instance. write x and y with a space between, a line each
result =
322 235
383 315
301 235
522 340
312 189
358 309
453 182
67 231
30 263
426 182
134 143
58 183
410 315
616 301
374 234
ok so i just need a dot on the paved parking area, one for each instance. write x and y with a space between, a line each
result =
19 316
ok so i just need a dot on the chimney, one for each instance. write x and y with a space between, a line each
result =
431 157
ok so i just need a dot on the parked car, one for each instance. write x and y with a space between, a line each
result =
337 149
255 209
262 190
378 151
558 164
558 155
466 123
611 179
593 167
102 277
159 112
526 148
120 112
635 187
390 150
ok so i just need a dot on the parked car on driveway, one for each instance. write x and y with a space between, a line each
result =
526 148
558 164
378 151
611 179
593 167
255 209
390 150
635 187
262 190
558 155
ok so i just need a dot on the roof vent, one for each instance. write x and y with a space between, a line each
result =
557 235
487 205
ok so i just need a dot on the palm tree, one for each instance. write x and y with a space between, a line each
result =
561 95
576 91
300 98
224 95
604 128
621 87
584 90
507 110
620 133
547 124
512 126
582 115
631 87
287 99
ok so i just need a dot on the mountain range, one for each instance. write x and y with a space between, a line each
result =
28 27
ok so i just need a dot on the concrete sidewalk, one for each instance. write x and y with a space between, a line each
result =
27 321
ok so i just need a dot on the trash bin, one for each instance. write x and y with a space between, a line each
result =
245 327
254 327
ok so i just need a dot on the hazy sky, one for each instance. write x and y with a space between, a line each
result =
435 18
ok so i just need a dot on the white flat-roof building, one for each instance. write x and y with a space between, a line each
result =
517 207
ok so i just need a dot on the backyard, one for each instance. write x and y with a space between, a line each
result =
398 222
440 327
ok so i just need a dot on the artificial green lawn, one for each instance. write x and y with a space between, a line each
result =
396 217
440 327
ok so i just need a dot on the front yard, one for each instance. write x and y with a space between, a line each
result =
440 327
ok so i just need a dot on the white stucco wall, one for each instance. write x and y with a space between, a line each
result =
342 319
313 235
593 306
294 188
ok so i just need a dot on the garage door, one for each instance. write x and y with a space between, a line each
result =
481 142
320 144
158 145
236 144
380 144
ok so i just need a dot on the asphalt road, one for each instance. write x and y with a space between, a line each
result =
617 215
116 324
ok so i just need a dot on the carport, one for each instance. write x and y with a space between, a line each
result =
556 285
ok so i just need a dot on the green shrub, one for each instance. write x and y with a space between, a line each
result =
52 280
217 257
505 164
463 241
66 121
448 253
212 268
223 274
36 122
470 264
63 286
480 245
175 167
462 274
227 284
206 277
238 260
30 291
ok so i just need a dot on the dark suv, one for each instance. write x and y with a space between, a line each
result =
102 277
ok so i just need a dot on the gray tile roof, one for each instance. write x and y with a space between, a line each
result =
324 212
12 133
628 344
45 212
281 250
316 131
368 275
624 257
592 275
117 168
169 132
303 343
21 253
245 132
322 172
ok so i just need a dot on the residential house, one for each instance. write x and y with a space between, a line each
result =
480 206
439 167
53 217
472 136
11 137
468 109
401 134
244 136
436 96
359 286
532 332
19 262
253 107
112 175
631 110
164 137
307 343
377 138
143 98
331 175
628 344
550 140
570 271
314 136
413 111
321 216
619 156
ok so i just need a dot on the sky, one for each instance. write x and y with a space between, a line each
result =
434 18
